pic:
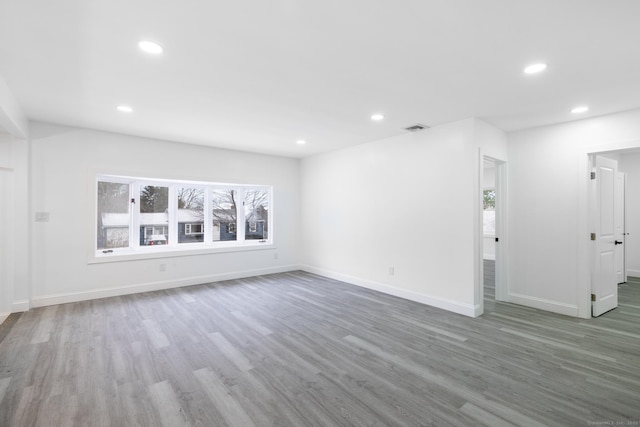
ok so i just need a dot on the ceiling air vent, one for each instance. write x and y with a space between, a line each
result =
416 127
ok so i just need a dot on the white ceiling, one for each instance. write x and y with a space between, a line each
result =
258 75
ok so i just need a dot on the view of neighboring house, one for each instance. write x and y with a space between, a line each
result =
255 224
114 228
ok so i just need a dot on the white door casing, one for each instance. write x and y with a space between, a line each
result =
621 276
604 285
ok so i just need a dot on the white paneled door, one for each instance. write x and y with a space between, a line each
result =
604 283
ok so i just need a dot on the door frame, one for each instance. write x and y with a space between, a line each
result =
622 176
583 285
7 231
601 195
501 261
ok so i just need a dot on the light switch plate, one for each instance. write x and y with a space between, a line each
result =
42 216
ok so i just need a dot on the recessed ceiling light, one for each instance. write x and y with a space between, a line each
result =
150 47
125 109
301 142
535 68
377 117
581 109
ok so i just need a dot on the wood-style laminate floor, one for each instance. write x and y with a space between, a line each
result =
297 349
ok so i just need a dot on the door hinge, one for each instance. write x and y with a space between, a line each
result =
593 297
593 175
593 236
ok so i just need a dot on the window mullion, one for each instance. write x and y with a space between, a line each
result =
207 217
172 215
240 230
134 215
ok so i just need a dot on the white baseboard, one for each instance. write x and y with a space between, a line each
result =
543 304
443 303
16 307
633 273
46 300
20 306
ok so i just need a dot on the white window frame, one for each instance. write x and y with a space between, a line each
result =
173 248
117 180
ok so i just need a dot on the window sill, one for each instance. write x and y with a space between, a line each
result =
186 249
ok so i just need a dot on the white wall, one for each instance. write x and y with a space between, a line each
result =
630 165
489 245
6 217
548 169
489 178
14 225
64 163
410 203
12 118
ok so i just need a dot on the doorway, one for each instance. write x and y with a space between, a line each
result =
493 233
614 207
6 231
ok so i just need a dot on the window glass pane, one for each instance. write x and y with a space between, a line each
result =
190 215
489 212
256 214
113 215
154 206
224 214
489 199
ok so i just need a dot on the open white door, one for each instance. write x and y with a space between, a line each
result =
621 276
604 284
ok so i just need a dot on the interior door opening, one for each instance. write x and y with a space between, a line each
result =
609 230
493 188
489 232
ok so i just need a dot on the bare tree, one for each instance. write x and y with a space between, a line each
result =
256 199
191 198
256 204
224 205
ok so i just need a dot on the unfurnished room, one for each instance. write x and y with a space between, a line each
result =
336 213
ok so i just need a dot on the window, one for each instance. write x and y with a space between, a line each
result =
489 212
190 203
256 214
113 215
193 228
158 215
224 214
154 204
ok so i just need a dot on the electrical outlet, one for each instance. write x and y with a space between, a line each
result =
392 271
163 267
275 255
42 217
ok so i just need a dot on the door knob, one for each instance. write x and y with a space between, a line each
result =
618 242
